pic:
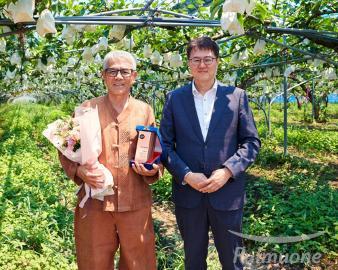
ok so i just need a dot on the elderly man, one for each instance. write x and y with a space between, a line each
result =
210 138
122 220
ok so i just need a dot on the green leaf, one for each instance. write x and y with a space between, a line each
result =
240 18
215 6
261 11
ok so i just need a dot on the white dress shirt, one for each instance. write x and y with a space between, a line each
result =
204 105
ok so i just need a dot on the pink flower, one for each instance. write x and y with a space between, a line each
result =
70 143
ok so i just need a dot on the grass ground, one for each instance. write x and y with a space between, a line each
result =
286 195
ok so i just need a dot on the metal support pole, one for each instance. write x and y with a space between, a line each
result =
285 95
269 119
313 98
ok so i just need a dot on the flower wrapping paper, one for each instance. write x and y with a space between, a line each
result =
89 151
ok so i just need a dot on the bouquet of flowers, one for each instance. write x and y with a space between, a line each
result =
79 139
65 136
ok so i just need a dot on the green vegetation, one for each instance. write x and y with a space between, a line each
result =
287 196
35 197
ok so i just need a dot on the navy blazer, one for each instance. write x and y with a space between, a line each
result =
232 141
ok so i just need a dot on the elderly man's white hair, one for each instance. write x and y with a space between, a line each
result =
118 54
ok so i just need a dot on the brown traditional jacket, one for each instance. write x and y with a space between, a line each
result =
119 139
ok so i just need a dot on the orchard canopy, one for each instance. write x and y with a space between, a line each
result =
52 50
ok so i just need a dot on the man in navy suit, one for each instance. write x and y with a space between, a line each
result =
210 138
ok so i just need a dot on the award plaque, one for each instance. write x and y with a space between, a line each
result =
149 146
145 146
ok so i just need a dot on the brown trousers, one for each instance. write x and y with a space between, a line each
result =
98 235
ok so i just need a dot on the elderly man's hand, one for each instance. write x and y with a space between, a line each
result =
91 175
217 180
140 169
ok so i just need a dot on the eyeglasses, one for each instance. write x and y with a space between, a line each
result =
206 60
125 73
